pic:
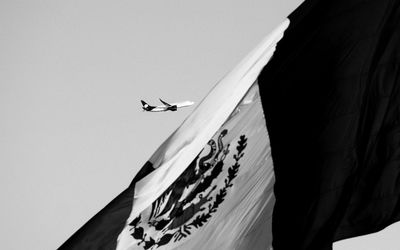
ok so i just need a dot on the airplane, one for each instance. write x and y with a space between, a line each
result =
166 106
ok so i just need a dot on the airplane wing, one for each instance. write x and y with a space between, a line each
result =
177 105
165 103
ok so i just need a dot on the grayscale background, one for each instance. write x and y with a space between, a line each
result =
72 73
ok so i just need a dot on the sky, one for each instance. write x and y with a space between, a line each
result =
72 74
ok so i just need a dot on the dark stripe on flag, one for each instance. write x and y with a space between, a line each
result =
331 97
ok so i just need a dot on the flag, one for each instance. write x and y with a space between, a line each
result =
325 110
331 99
209 185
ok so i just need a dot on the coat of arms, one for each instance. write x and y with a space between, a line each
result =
192 199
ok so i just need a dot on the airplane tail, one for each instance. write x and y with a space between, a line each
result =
146 106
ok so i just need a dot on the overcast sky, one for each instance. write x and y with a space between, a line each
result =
72 74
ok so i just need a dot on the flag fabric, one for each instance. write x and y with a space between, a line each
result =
331 99
209 185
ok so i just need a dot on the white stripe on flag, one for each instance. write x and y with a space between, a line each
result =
221 109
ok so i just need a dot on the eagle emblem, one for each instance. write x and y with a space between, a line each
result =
192 199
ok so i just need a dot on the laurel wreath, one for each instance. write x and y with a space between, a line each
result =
200 220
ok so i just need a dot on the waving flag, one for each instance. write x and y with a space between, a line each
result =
330 98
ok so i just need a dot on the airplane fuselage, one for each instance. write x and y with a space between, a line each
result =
165 107
160 108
